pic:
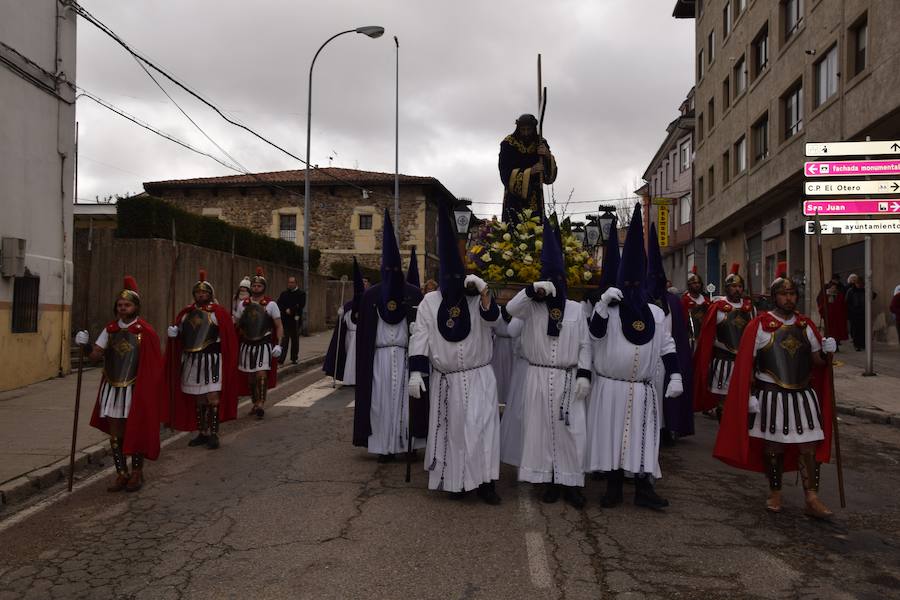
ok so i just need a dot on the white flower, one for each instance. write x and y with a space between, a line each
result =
539 229
527 213
507 237
486 257
504 226
588 275
510 272
507 255
527 259
538 244
523 247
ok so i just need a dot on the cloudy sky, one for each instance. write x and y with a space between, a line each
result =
616 71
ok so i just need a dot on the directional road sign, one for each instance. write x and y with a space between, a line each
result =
853 148
826 208
851 167
854 226
843 188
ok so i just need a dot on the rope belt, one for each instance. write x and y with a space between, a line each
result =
644 381
649 402
566 402
390 346
557 367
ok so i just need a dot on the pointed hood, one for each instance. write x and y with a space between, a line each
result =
656 273
412 273
637 318
453 320
609 267
393 283
553 269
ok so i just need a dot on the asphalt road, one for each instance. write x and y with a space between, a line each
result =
287 508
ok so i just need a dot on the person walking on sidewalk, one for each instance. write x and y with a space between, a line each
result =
259 331
856 310
778 411
201 363
130 402
291 302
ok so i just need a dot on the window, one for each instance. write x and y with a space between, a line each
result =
700 65
700 191
25 304
287 227
700 7
365 221
741 7
792 14
859 43
711 45
684 209
711 181
726 19
726 93
760 51
740 77
726 167
711 112
792 103
740 155
760 135
826 76
700 127
684 156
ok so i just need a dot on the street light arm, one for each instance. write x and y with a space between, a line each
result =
313 63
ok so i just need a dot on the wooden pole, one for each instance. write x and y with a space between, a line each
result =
81 357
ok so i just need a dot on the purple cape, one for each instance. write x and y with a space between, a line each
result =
679 412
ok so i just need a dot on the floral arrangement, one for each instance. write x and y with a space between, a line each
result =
511 253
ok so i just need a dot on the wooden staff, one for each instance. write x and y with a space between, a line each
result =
81 356
829 366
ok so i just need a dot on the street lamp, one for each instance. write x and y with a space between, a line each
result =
372 31
579 233
605 221
592 232
462 221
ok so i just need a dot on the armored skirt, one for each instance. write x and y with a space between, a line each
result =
787 416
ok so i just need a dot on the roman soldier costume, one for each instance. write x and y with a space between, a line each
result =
694 306
201 361
778 412
258 323
132 391
717 346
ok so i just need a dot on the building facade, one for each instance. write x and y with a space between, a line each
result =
37 157
770 77
668 189
346 210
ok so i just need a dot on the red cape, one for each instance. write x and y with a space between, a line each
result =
703 353
837 316
182 409
734 446
272 377
148 397
687 303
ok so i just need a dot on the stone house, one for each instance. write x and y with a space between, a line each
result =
346 210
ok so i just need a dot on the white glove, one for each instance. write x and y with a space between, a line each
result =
675 388
829 345
479 283
82 337
340 312
412 328
172 331
416 384
753 405
276 351
582 389
548 287
613 294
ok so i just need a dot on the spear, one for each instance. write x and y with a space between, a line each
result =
81 356
830 367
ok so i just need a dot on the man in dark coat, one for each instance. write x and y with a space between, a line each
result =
525 164
291 302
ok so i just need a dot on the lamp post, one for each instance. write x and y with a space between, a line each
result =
462 220
373 31
397 135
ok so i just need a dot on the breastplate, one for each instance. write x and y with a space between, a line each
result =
729 331
198 331
120 361
696 314
787 358
255 324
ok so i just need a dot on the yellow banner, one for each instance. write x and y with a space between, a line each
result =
662 225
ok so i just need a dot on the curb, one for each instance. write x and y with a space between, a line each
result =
872 415
33 482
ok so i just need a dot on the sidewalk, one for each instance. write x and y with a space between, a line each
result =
874 398
36 426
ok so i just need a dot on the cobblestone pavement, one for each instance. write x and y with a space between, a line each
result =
288 509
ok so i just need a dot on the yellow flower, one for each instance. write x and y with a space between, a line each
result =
538 244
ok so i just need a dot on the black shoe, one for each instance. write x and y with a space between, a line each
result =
200 440
574 497
293 361
260 413
645 496
213 442
667 437
458 495
488 494
551 493
613 495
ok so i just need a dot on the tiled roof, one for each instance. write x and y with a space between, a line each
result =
322 176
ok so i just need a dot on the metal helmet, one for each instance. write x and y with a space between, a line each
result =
733 277
259 278
203 285
130 291
693 276
782 282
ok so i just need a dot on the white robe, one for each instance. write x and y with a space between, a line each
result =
349 334
553 426
463 448
389 413
511 422
503 357
624 410
660 379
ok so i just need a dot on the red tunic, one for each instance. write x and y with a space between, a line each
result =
272 375
148 396
182 409
703 353
837 316
734 445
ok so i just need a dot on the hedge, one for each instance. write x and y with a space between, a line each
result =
147 217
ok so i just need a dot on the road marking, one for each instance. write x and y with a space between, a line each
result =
310 394
538 568
352 404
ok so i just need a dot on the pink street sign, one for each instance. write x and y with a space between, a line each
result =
851 207
851 167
